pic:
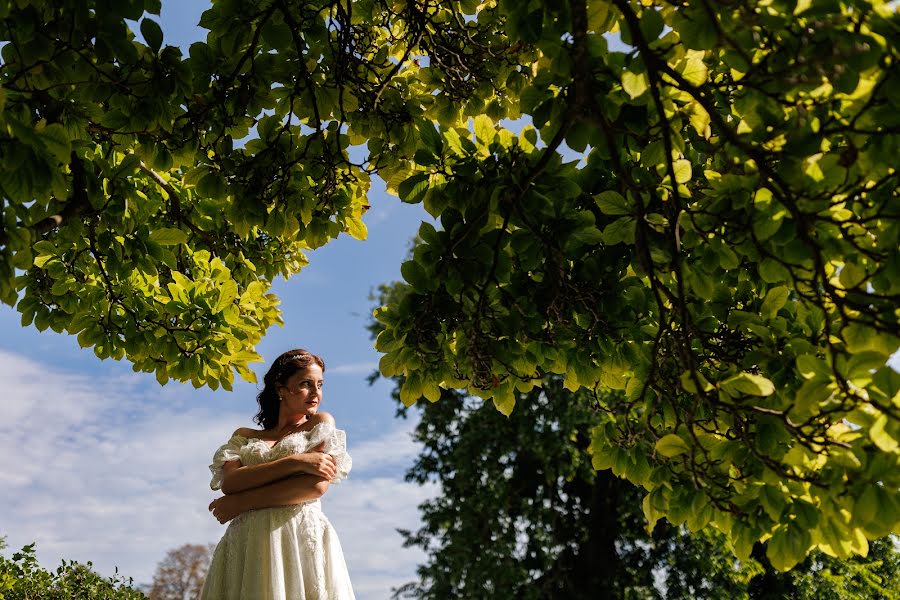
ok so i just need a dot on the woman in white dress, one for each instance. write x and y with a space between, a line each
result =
279 545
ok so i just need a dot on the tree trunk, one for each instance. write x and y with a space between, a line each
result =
597 564
770 584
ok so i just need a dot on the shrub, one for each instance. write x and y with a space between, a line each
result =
21 578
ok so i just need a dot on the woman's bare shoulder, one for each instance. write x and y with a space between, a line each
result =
321 417
247 432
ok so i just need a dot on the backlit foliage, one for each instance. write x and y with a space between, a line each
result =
701 219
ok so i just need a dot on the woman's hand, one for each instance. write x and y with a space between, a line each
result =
225 508
318 463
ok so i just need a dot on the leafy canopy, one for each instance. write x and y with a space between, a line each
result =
720 261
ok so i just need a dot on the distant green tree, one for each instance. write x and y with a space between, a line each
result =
522 514
21 578
821 577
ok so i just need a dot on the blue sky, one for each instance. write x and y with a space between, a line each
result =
108 466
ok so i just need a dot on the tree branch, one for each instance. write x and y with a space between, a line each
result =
78 204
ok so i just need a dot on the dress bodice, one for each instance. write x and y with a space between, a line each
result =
254 451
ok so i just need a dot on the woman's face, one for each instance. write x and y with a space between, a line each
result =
302 392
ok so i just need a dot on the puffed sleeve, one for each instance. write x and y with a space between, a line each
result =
228 452
336 445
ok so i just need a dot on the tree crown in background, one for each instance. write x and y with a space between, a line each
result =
181 572
522 514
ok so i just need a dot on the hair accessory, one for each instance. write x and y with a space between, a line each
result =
291 357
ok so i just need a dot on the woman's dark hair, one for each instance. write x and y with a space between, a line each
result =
281 370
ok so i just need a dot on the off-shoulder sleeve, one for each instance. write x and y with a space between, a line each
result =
228 452
336 445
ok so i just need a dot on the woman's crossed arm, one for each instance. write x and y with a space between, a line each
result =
295 489
240 478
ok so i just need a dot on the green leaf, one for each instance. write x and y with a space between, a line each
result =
413 189
152 33
41 261
431 391
57 142
694 71
577 138
612 203
620 230
228 293
653 154
455 142
851 275
651 23
876 510
504 398
411 390
773 271
651 512
431 137
859 338
671 445
862 364
773 502
810 396
847 81
699 118
162 159
886 441
775 299
634 84
695 29
868 505
168 236
687 382
276 35
484 128
45 247
749 384
682 169
597 12
589 235
211 185
787 547
886 384
728 259
415 275
356 228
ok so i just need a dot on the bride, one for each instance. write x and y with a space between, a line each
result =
279 544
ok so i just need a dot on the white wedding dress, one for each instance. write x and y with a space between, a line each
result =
285 553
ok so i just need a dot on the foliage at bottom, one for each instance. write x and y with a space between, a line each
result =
21 578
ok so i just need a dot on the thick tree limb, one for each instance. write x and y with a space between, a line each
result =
77 205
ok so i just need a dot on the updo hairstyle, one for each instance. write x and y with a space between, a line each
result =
281 370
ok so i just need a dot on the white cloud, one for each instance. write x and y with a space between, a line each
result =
360 368
393 452
366 514
114 471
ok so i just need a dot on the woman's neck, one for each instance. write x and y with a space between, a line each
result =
290 421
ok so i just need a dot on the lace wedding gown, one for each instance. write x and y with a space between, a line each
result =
285 553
